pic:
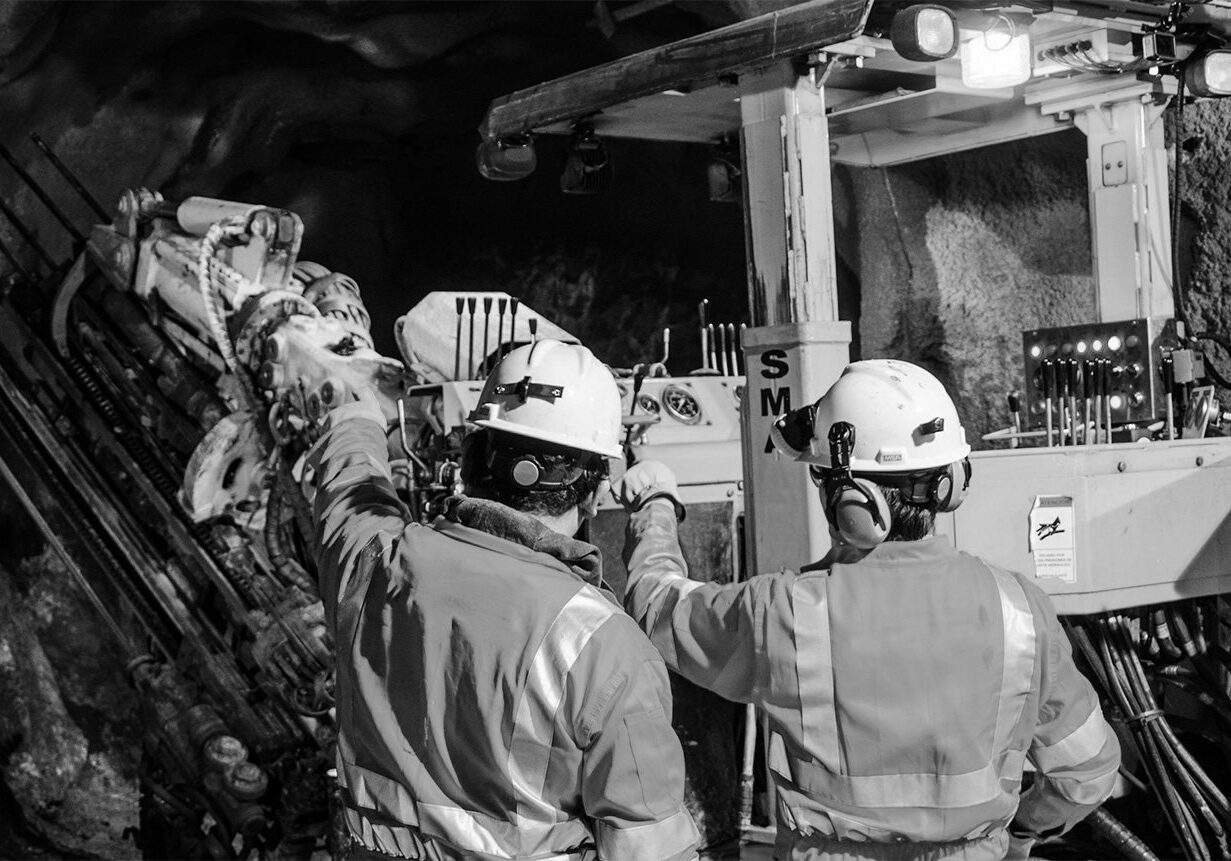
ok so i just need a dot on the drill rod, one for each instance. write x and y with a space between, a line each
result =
40 194
70 178
27 235
16 264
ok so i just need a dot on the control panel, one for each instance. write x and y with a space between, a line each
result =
1116 364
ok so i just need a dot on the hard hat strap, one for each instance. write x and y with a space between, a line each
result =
525 389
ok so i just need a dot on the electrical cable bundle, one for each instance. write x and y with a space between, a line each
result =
1196 809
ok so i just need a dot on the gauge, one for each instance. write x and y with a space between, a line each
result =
648 404
681 405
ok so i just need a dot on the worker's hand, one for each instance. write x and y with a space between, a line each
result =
644 481
1019 847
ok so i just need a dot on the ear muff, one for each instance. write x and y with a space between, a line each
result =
525 472
856 508
858 512
948 489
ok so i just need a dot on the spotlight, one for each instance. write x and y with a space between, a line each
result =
1209 74
924 33
506 158
995 56
587 168
723 174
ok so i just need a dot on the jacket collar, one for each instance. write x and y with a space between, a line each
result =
889 553
509 524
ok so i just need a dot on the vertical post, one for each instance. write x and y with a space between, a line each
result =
796 346
1129 225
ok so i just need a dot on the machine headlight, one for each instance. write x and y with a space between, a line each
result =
1209 75
924 33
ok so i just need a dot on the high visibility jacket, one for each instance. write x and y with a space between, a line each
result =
492 701
903 694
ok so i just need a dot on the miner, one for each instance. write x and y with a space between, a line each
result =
905 684
493 700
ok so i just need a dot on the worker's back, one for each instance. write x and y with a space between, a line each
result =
916 682
448 687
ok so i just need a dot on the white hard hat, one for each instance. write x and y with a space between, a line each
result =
903 420
556 393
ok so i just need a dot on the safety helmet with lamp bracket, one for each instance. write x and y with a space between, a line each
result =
883 423
548 397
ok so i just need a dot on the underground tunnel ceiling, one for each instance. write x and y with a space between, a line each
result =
361 117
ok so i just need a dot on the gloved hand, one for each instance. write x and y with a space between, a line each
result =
1019 847
646 480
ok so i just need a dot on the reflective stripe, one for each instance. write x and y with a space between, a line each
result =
653 840
452 825
814 671
534 724
1020 654
406 843
1079 746
904 790
661 581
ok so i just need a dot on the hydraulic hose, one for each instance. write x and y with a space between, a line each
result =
1115 832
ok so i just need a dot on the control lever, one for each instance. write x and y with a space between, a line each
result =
731 347
471 304
1167 367
1015 410
705 341
533 323
501 305
457 341
513 303
1070 387
722 349
1049 389
1105 382
487 326
1087 384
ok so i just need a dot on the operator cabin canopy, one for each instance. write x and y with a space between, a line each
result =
902 81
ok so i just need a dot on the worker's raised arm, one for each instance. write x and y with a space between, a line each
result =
1075 752
355 500
704 631
633 766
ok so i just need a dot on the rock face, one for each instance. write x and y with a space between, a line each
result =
68 748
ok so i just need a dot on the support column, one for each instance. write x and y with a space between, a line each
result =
1130 228
1126 170
796 346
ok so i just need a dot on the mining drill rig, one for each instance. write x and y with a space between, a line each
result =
159 389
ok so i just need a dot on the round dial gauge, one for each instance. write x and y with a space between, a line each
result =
681 405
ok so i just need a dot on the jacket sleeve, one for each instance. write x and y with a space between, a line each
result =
632 765
1075 752
355 500
706 632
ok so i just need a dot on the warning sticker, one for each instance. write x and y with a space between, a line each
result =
1051 538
